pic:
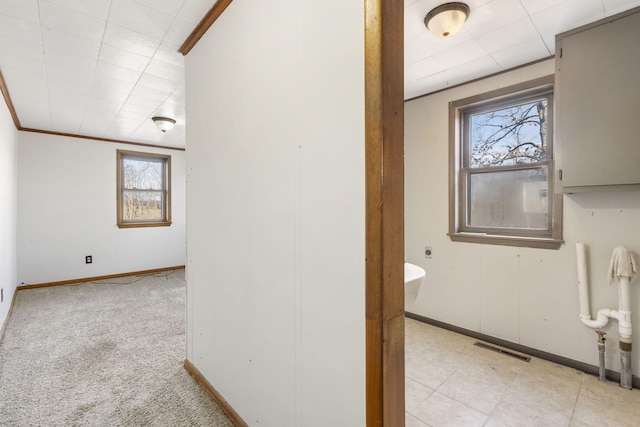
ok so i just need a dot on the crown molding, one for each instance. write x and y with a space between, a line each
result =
206 22
7 99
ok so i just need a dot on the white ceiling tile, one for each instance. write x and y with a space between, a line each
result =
34 91
70 21
123 58
521 53
95 124
102 86
120 129
471 70
611 7
428 45
195 10
176 97
414 18
84 63
509 35
422 69
66 113
111 95
142 19
69 89
491 16
566 16
61 41
170 7
34 111
130 40
146 132
103 107
20 64
166 71
22 9
155 82
20 29
134 112
460 54
156 94
59 75
179 31
95 8
168 52
20 48
143 102
533 6
116 72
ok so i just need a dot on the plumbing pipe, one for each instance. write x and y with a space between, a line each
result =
602 373
624 325
622 315
602 318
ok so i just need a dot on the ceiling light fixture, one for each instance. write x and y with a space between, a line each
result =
163 123
447 19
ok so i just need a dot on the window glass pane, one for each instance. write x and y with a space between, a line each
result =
142 205
143 174
509 199
508 136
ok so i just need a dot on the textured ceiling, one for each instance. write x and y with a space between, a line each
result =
499 35
99 68
103 68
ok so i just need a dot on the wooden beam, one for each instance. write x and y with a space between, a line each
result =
206 22
384 147
7 99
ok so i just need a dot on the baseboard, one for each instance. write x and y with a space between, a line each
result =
94 278
581 366
6 319
221 401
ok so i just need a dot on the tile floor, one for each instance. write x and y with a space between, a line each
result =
451 382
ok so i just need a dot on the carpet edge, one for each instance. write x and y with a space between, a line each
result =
6 319
95 278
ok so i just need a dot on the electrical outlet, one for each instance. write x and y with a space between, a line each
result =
428 252
88 259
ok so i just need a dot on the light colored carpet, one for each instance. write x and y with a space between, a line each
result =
106 353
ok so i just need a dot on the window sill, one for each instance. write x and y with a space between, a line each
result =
144 224
494 239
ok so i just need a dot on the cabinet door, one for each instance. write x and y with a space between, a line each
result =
598 106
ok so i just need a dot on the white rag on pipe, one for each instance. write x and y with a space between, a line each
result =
622 264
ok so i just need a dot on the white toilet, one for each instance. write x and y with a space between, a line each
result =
414 277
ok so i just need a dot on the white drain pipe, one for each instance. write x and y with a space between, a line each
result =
623 271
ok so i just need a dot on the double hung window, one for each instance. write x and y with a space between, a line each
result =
502 168
144 190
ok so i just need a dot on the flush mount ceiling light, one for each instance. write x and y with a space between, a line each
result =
447 19
163 123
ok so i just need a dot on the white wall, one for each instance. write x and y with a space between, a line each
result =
8 208
527 296
67 209
276 211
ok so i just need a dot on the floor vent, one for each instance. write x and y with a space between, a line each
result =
503 351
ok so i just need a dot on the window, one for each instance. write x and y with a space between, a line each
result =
144 193
501 189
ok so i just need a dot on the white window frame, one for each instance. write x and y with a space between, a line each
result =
459 172
165 190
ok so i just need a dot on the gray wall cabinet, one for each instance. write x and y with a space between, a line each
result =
598 105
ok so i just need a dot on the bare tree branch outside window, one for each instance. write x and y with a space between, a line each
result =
144 190
506 166
509 136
